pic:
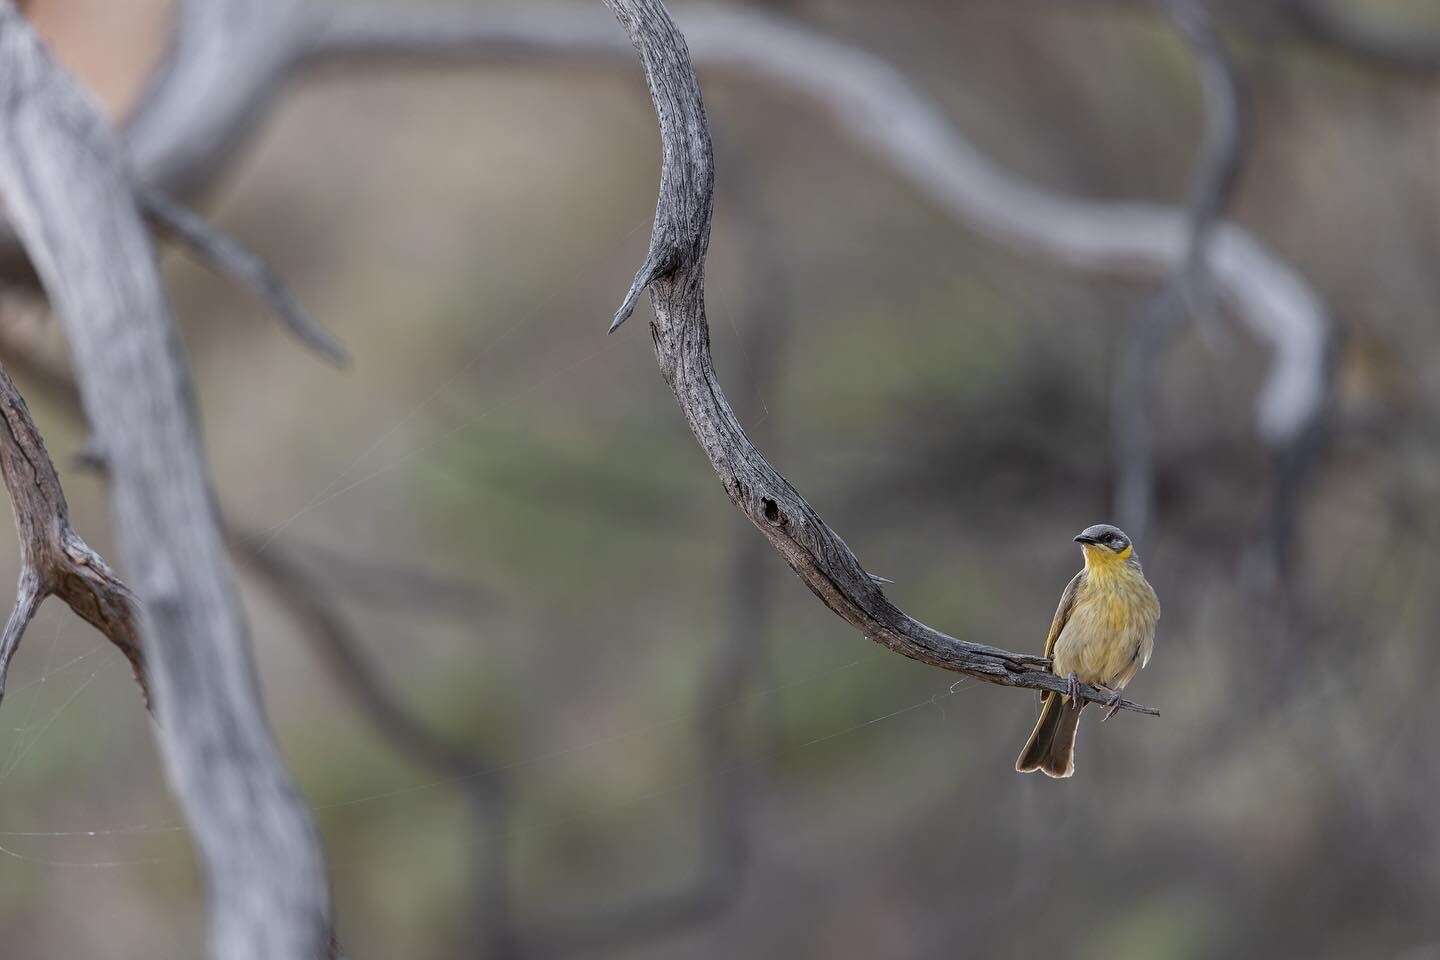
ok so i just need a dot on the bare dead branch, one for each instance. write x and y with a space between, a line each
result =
1190 286
54 560
72 207
227 257
682 348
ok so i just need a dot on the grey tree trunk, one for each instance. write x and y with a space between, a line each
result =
69 197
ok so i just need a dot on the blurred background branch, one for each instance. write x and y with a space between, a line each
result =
1189 289
1373 40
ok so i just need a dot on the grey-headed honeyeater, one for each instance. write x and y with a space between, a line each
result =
1102 634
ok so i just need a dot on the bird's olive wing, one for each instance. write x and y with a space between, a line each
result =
1062 612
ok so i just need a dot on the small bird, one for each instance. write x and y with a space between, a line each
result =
1102 634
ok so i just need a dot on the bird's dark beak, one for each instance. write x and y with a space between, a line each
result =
1081 538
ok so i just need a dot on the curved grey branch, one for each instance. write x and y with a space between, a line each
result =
682 348
61 173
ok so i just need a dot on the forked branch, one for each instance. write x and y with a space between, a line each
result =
54 560
682 347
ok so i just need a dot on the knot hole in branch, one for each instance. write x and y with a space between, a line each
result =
772 512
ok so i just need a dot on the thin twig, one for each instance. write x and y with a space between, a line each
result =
228 257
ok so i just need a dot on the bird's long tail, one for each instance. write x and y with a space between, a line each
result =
1051 747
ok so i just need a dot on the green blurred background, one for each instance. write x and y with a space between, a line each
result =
942 401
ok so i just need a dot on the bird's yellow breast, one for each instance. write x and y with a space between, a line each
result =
1111 629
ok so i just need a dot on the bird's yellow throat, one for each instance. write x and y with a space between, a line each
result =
1103 561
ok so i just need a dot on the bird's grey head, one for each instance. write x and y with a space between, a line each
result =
1104 535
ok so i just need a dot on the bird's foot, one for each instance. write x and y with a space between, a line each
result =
1072 686
1112 705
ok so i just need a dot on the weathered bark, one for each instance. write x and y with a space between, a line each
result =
54 559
